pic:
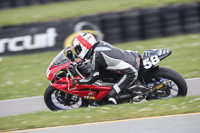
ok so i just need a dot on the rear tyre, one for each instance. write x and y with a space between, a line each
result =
58 100
178 84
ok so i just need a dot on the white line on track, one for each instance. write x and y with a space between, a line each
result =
19 99
198 78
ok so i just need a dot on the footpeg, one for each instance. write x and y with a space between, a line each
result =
138 98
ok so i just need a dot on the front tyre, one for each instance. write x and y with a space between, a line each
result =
176 87
58 100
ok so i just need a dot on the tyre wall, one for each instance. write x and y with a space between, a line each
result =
6 4
114 27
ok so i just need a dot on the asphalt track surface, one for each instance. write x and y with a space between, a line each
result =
187 123
34 104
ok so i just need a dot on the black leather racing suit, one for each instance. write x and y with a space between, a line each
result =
106 56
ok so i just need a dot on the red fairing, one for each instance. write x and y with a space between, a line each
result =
60 63
85 91
53 70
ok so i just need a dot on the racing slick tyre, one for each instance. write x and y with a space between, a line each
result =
58 100
177 86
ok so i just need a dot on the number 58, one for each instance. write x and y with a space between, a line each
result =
148 62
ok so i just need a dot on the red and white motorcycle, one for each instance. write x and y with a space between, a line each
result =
62 95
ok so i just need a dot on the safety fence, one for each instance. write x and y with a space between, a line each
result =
115 27
5 4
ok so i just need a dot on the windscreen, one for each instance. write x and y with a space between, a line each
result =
61 58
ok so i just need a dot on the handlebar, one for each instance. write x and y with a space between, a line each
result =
74 67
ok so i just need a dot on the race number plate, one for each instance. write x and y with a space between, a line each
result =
149 62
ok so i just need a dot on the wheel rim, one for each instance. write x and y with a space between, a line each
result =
60 103
170 91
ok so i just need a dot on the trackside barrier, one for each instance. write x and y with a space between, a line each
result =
114 27
5 4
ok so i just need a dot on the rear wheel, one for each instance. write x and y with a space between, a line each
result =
175 84
58 100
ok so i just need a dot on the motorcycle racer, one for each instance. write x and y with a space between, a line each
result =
103 55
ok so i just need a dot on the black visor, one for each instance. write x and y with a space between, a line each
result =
78 49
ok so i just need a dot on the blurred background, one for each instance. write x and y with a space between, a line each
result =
32 32
45 25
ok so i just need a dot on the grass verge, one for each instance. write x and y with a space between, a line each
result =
72 9
180 105
24 75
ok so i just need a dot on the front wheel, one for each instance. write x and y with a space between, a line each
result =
176 84
58 100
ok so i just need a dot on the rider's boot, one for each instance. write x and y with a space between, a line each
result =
113 96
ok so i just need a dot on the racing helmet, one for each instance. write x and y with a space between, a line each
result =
83 43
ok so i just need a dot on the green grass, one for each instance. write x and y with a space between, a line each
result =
185 57
72 9
24 76
105 113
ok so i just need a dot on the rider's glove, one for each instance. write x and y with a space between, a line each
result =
75 82
75 56
80 63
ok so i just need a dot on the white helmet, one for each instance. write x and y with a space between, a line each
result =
83 43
